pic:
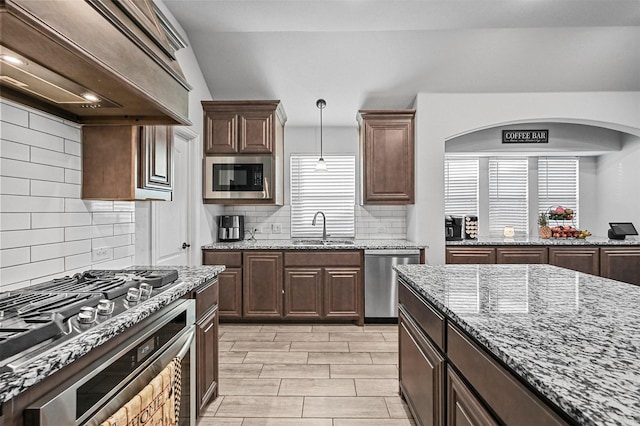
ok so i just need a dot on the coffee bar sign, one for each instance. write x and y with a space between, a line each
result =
525 136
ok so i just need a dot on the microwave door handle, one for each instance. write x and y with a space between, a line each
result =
265 192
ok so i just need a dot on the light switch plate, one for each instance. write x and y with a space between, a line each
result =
276 228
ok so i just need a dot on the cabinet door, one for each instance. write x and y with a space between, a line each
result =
206 360
343 293
220 133
621 263
388 152
421 374
582 259
155 160
521 255
262 284
302 293
463 408
470 255
230 304
255 132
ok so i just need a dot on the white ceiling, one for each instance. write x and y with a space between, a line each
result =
378 54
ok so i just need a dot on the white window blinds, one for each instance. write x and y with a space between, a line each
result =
332 192
461 186
508 195
558 184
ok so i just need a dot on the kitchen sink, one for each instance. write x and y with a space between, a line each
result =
322 243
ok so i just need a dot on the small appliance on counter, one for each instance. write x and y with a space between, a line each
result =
453 228
230 228
471 227
619 230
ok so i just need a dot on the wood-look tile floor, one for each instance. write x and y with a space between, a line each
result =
298 374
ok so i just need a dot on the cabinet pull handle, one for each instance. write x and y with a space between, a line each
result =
185 245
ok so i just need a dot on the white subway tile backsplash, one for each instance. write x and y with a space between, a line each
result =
20 134
73 148
14 221
14 186
57 220
112 217
77 205
15 151
11 113
78 261
28 271
115 241
50 251
11 239
119 252
53 158
19 203
54 126
73 176
124 228
46 230
55 189
24 169
15 256
87 232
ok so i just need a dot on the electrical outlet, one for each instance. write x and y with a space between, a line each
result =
382 229
259 230
276 228
101 254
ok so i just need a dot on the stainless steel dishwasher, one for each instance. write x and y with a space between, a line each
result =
380 285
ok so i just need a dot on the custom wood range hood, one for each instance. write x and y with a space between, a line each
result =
92 61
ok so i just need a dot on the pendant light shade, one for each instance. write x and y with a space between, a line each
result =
321 166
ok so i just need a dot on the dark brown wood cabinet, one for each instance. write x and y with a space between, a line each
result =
343 295
463 407
206 297
303 293
581 259
230 281
620 263
421 372
127 162
387 152
521 255
243 127
262 284
470 255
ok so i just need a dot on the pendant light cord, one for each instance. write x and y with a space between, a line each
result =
321 103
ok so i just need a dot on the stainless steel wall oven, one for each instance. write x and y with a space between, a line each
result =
164 348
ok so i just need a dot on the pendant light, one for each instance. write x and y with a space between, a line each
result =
321 166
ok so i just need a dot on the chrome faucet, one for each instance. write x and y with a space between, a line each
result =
324 224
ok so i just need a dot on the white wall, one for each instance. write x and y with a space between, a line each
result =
377 222
441 116
618 186
46 230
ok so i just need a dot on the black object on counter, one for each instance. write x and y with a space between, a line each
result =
453 228
619 230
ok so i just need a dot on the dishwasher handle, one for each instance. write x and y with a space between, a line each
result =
392 252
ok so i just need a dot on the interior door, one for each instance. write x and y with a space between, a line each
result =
171 242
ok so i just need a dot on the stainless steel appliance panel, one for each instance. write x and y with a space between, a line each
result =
380 280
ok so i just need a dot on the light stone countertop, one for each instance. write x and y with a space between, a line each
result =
40 367
535 241
289 244
573 337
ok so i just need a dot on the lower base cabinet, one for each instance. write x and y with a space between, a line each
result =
421 370
621 263
479 390
207 360
581 259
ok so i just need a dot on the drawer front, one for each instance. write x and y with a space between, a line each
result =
426 317
510 400
323 258
227 258
206 297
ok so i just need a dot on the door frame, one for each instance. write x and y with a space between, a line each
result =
193 172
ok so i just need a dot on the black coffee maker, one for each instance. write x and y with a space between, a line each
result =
230 228
453 228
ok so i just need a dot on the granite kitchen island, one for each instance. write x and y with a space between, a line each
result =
518 344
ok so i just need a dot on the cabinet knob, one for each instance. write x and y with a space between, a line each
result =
185 245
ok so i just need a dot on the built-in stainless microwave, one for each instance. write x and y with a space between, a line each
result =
238 177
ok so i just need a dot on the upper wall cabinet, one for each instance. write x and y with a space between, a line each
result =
127 162
243 127
387 156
